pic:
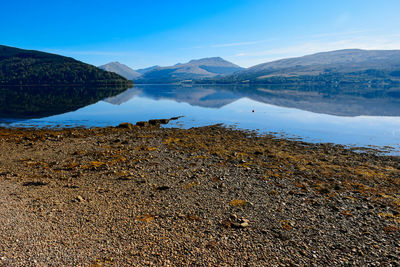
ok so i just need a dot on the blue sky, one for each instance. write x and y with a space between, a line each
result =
145 33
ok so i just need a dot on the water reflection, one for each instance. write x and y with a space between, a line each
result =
347 100
347 115
27 102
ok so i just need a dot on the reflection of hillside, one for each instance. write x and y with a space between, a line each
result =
351 100
37 102
123 97
334 101
203 96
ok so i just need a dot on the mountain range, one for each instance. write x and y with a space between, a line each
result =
341 66
29 67
348 65
194 69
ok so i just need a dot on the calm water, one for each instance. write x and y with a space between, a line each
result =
349 116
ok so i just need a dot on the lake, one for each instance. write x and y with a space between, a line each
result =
350 115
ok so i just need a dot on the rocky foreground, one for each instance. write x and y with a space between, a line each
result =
205 196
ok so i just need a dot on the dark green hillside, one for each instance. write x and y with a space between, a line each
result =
29 67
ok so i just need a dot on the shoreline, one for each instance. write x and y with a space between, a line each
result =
205 196
382 151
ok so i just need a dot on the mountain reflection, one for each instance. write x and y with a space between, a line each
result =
349 100
20 103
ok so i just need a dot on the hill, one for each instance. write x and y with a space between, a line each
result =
29 67
121 69
194 69
349 65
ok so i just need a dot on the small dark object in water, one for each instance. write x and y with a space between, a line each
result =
252 111
176 118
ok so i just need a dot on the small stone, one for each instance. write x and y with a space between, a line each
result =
142 123
154 122
241 223
164 121
126 125
79 199
244 224
283 235
162 188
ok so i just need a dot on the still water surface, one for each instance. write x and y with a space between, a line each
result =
369 118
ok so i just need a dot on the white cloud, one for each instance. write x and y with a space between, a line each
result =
86 53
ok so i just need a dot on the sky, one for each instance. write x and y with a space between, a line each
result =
153 32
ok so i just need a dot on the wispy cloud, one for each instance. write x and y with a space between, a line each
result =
234 44
303 48
86 53
338 34
391 41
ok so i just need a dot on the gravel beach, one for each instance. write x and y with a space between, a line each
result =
208 196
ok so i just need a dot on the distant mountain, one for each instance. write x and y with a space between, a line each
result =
29 67
121 69
349 65
194 69
347 60
143 71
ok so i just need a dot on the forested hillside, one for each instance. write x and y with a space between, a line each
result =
28 67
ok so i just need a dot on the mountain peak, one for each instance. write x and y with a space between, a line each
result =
211 60
121 69
194 69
